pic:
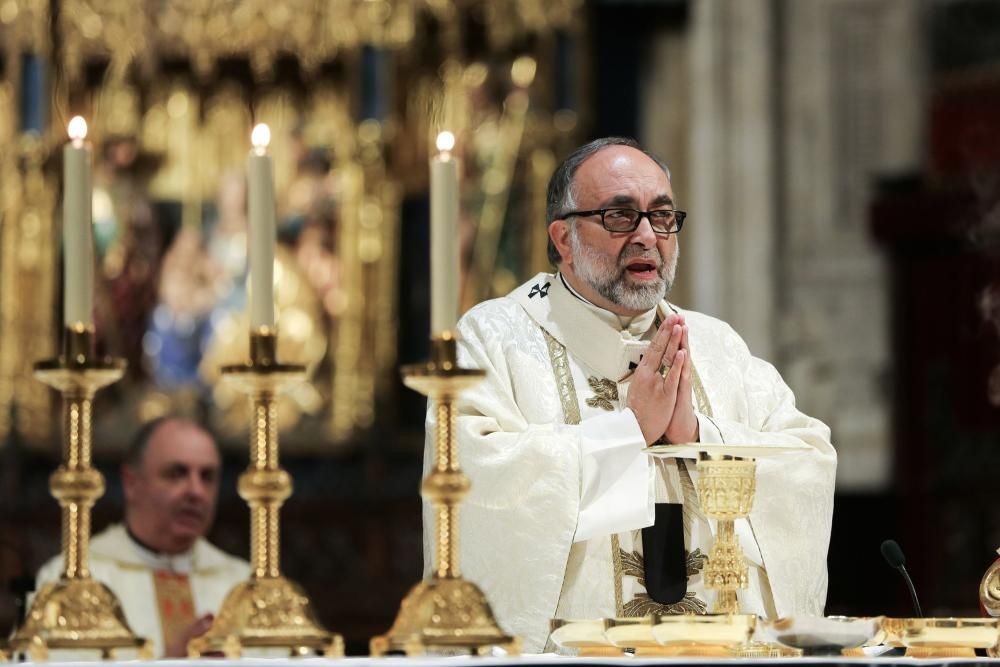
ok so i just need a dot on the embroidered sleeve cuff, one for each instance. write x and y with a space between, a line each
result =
616 476
707 430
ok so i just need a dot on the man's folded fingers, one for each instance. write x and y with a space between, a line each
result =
654 355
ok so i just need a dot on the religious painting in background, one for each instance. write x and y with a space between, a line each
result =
170 229
354 93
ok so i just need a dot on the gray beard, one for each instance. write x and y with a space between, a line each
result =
610 281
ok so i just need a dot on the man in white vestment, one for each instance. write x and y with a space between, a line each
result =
585 368
169 579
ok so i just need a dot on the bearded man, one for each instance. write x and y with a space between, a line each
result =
568 516
169 579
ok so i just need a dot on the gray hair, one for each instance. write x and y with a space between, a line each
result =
561 195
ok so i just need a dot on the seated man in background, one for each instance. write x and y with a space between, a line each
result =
169 579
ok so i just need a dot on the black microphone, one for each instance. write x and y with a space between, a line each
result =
894 557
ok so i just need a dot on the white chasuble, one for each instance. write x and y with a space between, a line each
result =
553 492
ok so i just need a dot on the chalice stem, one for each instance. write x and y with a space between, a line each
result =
727 532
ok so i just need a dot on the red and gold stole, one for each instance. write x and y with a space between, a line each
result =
173 599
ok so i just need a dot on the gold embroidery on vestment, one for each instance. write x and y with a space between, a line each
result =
564 379
643 605
605 393
700 397
619 571
175 603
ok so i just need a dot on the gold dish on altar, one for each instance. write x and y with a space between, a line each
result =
578 634
945 633
630 632
656 635
710 630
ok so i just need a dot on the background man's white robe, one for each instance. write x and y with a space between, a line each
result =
127 569
527 467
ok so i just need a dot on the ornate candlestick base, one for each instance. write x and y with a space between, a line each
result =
77 612
445 612
725 491
444 615
268 610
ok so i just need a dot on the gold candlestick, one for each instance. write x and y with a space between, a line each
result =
77 612
268 610
444 612
725 491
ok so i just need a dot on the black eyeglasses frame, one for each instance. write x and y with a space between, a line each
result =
679 217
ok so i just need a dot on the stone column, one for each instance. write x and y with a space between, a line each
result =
851 111
664 127
796 109
731 241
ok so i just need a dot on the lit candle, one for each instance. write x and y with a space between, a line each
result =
260 214
444 236
78 240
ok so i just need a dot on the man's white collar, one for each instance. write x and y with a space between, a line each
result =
581 327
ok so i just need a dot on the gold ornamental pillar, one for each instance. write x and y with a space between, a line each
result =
268 610
725 492
445 612
77 612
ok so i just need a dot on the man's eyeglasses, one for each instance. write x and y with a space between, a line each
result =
663 221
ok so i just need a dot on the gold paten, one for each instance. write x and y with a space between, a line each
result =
633 633
701 633
580 634
445 612
77 612
268 610
685 635
725 492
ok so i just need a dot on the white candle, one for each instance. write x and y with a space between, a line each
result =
444 236
261 217
78 238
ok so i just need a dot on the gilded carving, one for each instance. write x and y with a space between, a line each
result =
164 96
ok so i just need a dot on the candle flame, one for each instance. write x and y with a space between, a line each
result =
445 141
261 136
77 128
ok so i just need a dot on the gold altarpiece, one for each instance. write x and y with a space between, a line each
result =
354 91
